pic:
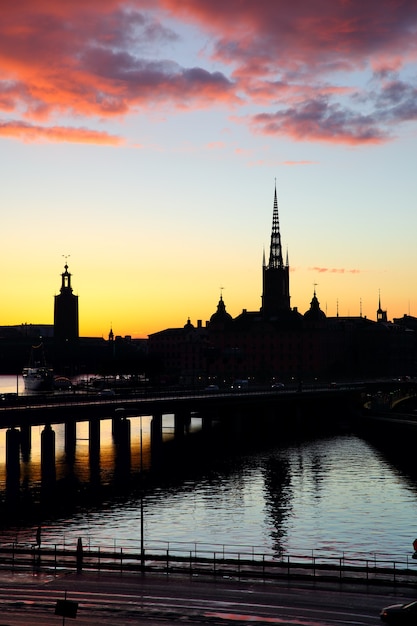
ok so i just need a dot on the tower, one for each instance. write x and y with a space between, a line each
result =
276 282
381 316
66 311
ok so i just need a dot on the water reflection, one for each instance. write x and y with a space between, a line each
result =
278 497
335 494
61 466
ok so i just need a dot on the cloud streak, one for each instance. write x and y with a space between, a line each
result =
338 71
31 132
333 270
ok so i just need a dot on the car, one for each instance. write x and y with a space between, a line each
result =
240 384
106 392
212 388
397 614
278 386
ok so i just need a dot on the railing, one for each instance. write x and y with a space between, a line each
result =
199 559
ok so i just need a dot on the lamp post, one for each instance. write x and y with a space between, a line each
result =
142 552
121 412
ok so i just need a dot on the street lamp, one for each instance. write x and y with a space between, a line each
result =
121 412
142 552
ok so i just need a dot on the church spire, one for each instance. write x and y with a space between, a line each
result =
381 316
275 253
275 275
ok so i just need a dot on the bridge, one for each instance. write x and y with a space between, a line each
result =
229 417
16 411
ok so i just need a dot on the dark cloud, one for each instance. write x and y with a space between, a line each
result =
321 120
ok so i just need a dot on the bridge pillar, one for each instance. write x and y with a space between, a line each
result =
116 426
25 441
12 458
123 450
234 423
156 437
116 421
48 471
124 435
206 422
156 431
70 437
94 440
182 421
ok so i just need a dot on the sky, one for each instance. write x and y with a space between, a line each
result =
141 142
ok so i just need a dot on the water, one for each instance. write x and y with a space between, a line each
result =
334 495
11 384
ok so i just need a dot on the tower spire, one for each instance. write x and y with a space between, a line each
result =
381 316
275 275
275 253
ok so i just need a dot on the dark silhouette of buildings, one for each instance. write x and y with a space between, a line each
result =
66 349
276 275
66 312
278 342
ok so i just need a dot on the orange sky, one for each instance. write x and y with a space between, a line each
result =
143 138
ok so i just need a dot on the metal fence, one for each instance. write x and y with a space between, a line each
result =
203 560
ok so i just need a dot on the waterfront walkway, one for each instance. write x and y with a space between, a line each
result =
215 562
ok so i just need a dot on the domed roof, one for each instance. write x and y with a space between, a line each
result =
221 316
314 314
188 325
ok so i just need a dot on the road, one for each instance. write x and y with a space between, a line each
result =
126 600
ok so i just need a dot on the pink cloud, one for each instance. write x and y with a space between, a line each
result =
89 58
297 59
299 163
322 270
216 145
30 132
295 63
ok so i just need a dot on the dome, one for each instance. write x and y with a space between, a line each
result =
221 316
314 314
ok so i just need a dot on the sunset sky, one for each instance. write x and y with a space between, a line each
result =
142 140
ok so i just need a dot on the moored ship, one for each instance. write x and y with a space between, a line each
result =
37 376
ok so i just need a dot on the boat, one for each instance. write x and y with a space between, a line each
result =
37 376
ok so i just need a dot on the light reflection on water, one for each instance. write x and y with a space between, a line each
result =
337 495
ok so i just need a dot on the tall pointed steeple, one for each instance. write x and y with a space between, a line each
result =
276 290
381 316
275 253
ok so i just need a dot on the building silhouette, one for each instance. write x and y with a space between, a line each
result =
274 343
278 343
66 312
275 275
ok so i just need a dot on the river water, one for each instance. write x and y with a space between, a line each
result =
337 495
